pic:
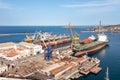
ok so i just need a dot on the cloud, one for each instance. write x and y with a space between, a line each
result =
4 5
10 7
94 7
102 3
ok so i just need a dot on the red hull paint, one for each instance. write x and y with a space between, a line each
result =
52 43
90 50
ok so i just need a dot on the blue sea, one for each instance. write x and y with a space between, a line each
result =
109 56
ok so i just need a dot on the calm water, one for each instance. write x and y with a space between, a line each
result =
109 56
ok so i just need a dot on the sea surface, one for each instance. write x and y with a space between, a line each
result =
109 56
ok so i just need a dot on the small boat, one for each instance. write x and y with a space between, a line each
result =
107 74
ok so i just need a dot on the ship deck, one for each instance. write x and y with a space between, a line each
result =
90 50
88 45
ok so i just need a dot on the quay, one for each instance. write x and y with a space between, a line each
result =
31 64
96 69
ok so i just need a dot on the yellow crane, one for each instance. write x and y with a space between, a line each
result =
75 36
28 38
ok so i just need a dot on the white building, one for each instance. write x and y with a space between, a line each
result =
7 51
7 45
33 47
3 68
12 51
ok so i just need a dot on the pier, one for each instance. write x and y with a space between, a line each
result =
62 66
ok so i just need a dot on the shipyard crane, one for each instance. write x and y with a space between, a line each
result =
28 38
55 42
42 39
75 36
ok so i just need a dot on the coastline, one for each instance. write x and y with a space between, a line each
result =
108 28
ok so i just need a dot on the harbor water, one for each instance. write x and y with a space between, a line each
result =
109 56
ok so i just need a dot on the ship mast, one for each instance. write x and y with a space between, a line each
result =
107 75
99 28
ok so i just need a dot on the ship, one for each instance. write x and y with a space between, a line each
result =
47 38
91 44
37 36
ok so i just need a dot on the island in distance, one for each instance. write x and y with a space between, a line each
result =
108 28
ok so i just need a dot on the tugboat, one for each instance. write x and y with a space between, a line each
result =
90 44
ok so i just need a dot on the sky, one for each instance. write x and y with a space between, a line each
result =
59 12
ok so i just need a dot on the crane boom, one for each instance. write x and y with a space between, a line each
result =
70 26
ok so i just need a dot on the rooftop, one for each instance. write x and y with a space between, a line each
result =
12 54
7 44
27 44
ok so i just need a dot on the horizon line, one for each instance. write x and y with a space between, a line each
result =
62 25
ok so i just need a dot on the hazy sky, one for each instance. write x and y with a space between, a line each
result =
59 12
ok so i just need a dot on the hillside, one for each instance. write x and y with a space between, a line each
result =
108 28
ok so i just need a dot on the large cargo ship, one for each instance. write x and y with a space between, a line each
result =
96 45
90 44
